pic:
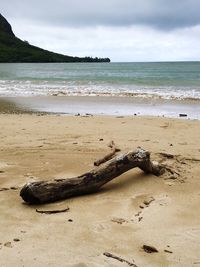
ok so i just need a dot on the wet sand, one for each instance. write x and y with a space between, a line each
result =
9 107
131 211
106 105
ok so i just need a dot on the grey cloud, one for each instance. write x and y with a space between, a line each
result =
162 14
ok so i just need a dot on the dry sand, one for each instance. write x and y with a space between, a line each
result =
114 220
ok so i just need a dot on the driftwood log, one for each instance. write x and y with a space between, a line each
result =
50 191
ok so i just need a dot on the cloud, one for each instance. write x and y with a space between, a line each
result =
133 43
161 14
124 30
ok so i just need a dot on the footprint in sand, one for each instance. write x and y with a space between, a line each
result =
118 220
99 228
142 201
8 244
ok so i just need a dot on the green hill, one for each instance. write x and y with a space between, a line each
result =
12 49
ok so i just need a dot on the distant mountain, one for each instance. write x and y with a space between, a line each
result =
12 49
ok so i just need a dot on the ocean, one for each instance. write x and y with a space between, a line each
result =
159 83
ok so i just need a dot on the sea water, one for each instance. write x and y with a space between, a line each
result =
148 81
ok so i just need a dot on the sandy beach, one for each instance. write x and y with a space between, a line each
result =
133 210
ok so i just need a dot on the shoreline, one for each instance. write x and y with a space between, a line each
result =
101 105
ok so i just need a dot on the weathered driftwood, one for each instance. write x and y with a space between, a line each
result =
51 211
109 156
50 191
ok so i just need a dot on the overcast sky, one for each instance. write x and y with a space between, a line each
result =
124 30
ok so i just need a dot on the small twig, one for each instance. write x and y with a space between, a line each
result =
192 159
4 189
109 156
105 158
111 144
167 251
51 211
167 155
109 255
9 188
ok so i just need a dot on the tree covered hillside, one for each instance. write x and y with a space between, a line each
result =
12 49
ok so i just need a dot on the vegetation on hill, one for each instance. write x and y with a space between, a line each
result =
12 49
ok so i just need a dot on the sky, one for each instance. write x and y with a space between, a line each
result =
123 30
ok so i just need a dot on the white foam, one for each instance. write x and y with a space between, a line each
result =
73 88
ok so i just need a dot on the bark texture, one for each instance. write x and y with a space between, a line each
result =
50 191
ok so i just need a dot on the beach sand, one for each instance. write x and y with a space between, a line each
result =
117 219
